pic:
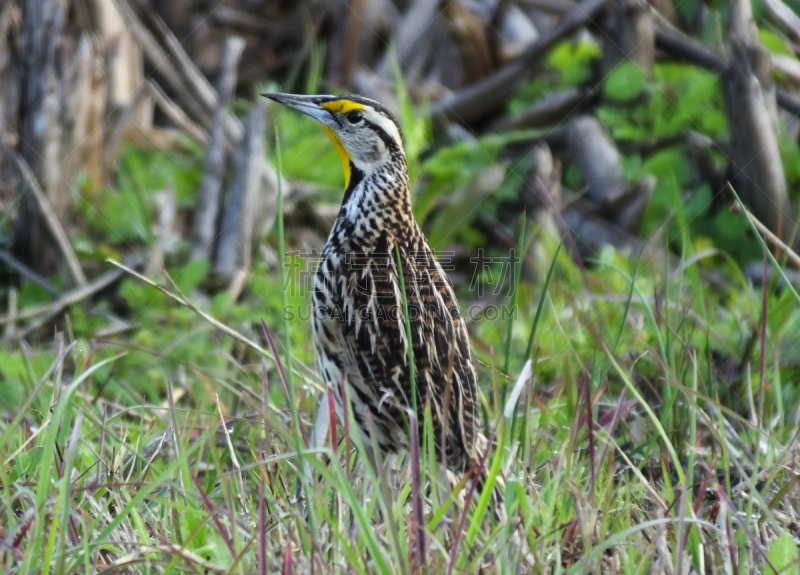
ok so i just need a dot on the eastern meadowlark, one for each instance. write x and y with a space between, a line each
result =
359 321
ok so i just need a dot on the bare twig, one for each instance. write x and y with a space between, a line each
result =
189 75
177 68
27 272
176 114
184 77
769 237
49 215
184 302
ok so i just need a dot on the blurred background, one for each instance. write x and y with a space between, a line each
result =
124 122
590 148
133 130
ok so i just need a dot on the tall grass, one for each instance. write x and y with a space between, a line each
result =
642 499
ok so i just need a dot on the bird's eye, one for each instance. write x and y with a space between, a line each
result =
355 116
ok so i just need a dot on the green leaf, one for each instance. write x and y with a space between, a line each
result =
625 82
784 556
574 61
774 43
669 162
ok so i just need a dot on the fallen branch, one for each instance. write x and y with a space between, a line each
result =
786 16
754 156
209 196
474 102
234 245
68 299
549 110
682 47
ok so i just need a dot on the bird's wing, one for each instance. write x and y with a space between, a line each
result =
372 344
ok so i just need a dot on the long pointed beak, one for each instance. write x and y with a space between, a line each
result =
308 105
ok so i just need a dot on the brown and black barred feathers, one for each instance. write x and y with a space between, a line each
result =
359 322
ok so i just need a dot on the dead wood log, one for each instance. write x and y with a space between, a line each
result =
628 34
40 133
244 198
208 200
755 161
600 164
475 102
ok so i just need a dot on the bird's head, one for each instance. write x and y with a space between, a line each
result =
365 133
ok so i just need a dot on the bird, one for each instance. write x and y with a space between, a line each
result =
365 354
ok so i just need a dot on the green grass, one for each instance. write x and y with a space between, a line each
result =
88 481
654 436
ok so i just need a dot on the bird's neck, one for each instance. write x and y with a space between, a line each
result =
378 194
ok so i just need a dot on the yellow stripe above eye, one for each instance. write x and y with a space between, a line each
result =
342 106
343 154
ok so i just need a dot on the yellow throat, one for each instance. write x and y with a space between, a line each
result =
341 107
